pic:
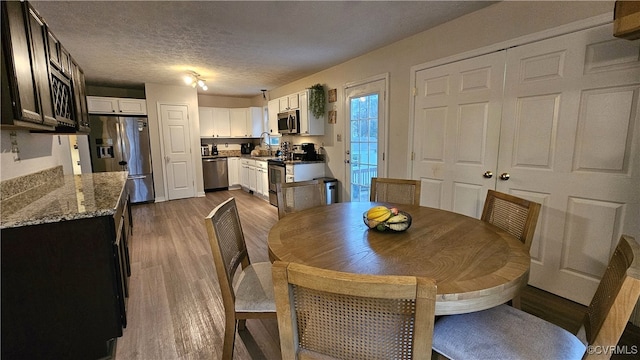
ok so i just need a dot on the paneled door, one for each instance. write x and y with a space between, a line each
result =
569 128
456 131
569 141
178 162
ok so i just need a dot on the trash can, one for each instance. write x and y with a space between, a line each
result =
330 189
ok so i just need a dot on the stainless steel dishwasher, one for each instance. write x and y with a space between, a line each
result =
215 173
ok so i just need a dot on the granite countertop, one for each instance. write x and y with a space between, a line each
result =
76 197
296 162
265 158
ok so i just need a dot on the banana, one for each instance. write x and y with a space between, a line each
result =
378 213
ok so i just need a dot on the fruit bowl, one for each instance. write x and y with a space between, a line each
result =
393 226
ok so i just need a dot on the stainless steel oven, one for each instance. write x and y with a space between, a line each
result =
277 174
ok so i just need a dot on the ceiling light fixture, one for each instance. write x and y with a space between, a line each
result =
193 79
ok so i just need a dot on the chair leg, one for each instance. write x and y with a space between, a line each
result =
229 339
437 356
242 324
515 302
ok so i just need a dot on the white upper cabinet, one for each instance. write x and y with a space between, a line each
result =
309 124
284 104
273 107
255 122
234 122
238 122
294 101
116 106
206 121
221 122
290 102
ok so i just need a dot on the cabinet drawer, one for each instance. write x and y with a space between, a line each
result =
261 164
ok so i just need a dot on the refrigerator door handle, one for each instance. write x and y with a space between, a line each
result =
137 177
122 140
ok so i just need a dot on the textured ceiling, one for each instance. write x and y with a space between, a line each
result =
239 47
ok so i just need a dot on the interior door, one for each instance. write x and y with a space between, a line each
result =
569 141
457 115
178 164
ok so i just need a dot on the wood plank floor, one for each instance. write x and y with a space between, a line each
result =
175 309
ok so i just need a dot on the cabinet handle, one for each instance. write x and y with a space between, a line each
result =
505 176
488 174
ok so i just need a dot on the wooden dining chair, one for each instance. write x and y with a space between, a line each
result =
247 293
505 332
298 196
399 191
515 215
335 315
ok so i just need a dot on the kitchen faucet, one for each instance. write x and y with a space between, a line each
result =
268 141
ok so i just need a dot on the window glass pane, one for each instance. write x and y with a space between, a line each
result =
364 145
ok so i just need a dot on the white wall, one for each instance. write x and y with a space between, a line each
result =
37 152
176 95
494 24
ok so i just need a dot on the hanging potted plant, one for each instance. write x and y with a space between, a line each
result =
317 100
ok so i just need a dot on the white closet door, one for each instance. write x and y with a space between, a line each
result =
457 125
569 140
178 165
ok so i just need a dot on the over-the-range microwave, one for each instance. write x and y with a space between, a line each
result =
289 122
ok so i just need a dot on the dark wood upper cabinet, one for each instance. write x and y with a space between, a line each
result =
79 98
21 70
39 74
40 60
54 50
58 56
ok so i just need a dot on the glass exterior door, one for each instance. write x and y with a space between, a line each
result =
364 145
366 141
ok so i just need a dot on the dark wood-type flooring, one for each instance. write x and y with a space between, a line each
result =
175 310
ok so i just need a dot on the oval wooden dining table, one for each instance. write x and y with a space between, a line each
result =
476 265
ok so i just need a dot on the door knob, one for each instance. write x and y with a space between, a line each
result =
505 176
488 174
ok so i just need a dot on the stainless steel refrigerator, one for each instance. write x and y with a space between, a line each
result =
120 143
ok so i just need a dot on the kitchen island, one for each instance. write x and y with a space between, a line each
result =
65 265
